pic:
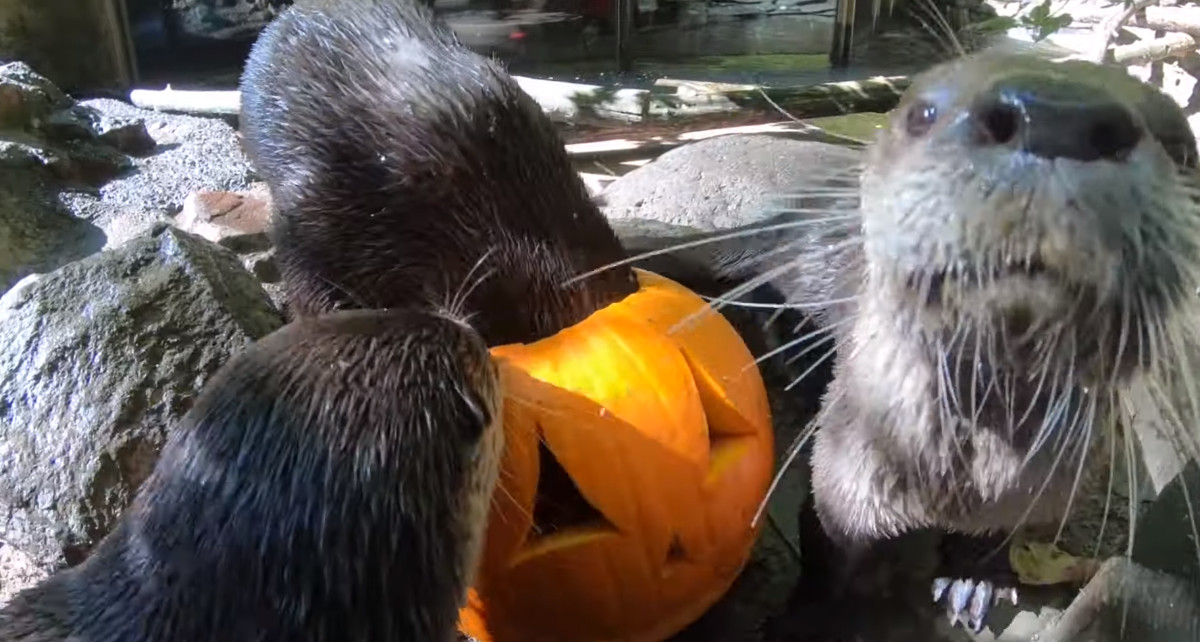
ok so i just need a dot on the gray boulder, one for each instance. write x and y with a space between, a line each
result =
26 97
98 361
119 167
37 234
728 180
1127 601
190 154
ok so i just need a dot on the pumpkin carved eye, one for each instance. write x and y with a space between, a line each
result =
637 450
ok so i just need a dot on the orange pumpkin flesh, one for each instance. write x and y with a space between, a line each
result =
639 445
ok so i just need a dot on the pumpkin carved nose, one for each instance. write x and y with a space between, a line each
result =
1062 120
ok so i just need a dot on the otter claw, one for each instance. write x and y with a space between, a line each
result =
969 601
939 588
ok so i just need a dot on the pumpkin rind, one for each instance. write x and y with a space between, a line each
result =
664 428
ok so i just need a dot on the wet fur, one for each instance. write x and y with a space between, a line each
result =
397 176
912 433
333 482
325 487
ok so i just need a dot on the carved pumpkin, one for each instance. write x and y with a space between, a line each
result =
638 449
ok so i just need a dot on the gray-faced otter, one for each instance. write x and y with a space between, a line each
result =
1025 256
333 482
402 165
330 484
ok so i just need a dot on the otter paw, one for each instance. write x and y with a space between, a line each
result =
969 601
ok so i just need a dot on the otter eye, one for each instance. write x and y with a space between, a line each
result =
920 117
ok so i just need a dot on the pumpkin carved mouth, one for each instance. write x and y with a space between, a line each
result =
562 516
638 445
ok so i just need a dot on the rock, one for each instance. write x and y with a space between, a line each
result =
235 220
1025 626
263 266
1127 601
17 572
726 181
1165 537
26 97
121 168
191 155
98 361
36 233
85 123
24 152
627 228
239 221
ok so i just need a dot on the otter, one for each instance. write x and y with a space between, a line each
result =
1023 259
403 165
331 483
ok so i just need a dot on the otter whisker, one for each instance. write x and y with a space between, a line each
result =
1081 448
1185 372
1131 481
1122 337
977 403
1112 478
791 305
788 458
951 350
1058 406
1191 513
796 357
465 288
816 364
1047 479
512 500
946 35
783 201
951 413
741 290
731 294
795 342
741 233
352 295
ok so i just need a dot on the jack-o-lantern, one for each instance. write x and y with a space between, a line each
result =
638 447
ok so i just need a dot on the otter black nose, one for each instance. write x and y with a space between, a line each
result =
1055 120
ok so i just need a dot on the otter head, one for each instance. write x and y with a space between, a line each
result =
1039 215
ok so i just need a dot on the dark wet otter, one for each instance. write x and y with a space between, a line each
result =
331 483
1023 264
403 165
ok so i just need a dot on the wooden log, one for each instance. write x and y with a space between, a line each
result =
622 148
212 103
1171 45
878 94
576 103
1175 19
1106 31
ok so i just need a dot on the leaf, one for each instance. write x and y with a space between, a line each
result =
1040 12
998 24
1040 563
